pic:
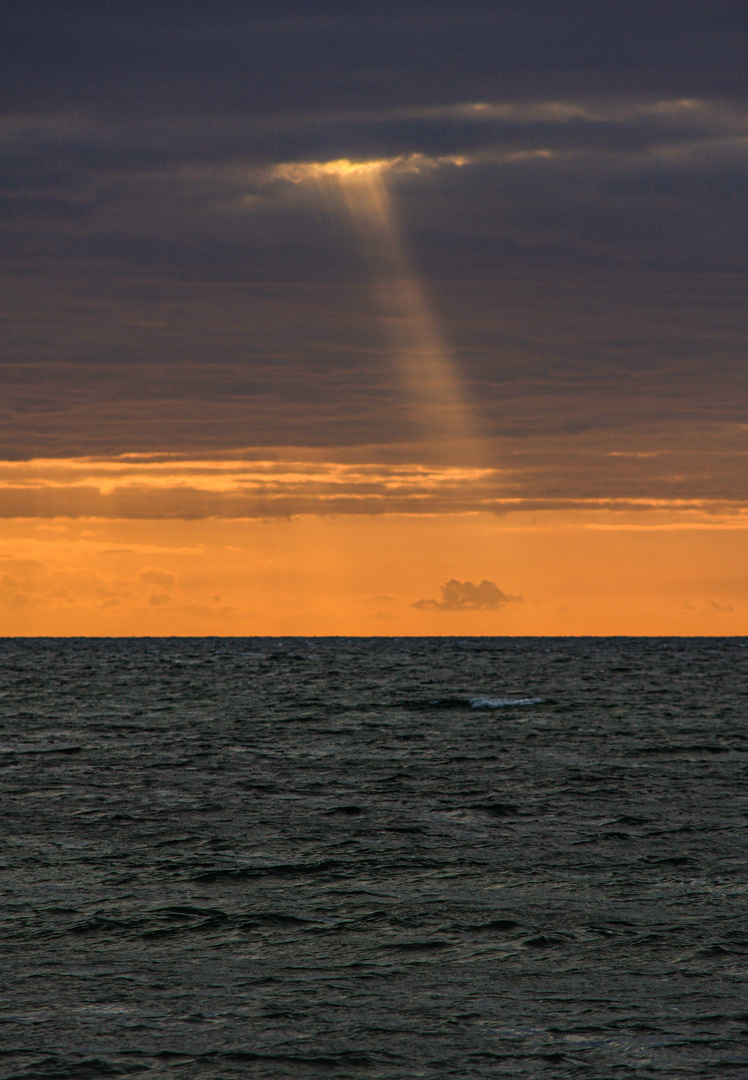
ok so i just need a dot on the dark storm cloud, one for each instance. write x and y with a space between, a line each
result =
658 184
165 287
125 56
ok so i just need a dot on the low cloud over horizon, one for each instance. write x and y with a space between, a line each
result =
465 596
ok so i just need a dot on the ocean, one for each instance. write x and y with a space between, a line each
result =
395 858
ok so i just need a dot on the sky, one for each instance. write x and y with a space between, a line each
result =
377 319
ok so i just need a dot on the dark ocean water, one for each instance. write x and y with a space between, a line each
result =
374 858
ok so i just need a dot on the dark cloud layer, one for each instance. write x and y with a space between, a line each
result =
662 185
578 219
125 57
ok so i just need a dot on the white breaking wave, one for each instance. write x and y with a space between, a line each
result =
498 703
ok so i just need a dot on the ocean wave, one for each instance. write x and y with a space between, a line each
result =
473 702
502 703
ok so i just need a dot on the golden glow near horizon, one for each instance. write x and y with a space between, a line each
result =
163 545
550 572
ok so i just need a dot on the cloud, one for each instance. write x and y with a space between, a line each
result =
569 259
221 58
655 181
166 286
31 583
151 576
160 487
465 596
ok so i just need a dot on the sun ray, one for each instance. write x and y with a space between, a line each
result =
420 352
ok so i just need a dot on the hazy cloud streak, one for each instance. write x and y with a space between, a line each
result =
164 488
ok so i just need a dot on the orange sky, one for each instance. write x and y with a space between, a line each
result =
596 572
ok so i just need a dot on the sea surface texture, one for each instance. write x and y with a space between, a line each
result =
400 858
